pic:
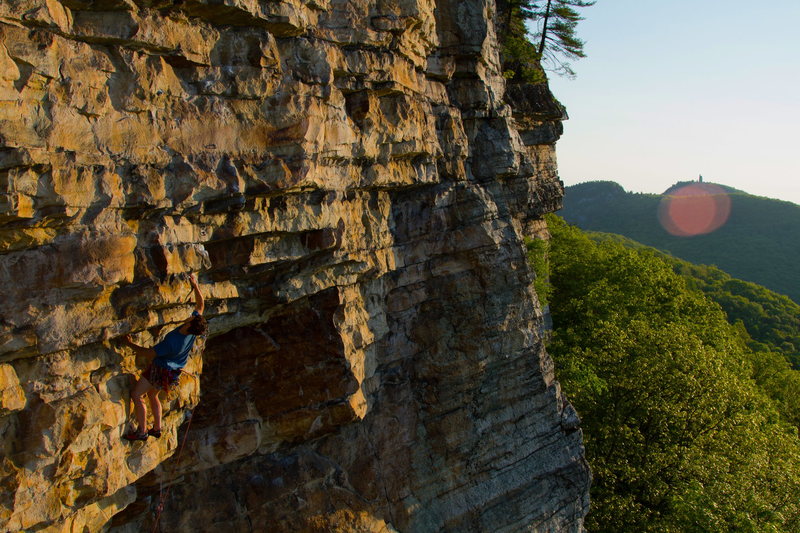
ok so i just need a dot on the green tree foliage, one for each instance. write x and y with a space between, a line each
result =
684 425
519 56
771 320
554 43
539 258
780 381
556 21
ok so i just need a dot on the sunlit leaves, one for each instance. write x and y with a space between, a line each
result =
686 428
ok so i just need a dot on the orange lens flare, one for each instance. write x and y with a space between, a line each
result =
694 209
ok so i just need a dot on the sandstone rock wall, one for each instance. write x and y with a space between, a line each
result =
351 185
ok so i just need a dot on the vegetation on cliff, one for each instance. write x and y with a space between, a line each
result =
689 424
550 46
758 243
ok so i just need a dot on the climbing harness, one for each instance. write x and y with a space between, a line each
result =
164 494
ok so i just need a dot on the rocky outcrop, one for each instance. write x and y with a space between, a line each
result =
351 185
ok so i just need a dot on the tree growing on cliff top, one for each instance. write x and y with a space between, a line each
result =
556 42
519 56
556 21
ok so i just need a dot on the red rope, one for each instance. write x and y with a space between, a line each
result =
164 494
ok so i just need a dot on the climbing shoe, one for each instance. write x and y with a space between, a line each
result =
154 432
135 435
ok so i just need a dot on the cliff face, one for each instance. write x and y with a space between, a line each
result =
351 186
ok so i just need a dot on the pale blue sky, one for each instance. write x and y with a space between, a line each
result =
673 89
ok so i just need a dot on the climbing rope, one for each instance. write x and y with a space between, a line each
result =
164 494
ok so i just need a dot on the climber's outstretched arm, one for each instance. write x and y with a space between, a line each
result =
140 350
199 303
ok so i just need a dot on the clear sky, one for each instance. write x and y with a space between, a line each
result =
674 89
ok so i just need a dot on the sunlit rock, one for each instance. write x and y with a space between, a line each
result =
351 181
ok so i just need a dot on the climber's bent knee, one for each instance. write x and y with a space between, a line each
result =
141 388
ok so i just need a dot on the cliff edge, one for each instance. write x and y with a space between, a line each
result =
351 185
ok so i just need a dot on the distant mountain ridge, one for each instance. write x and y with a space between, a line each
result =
758 243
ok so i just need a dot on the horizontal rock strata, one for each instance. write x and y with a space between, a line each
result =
351 185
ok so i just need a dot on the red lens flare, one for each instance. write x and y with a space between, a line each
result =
694 209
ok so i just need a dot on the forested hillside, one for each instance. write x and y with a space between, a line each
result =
772 320
690 424
758 243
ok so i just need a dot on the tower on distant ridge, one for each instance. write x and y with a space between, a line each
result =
700 178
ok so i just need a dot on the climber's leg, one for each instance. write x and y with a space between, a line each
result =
140 411
155 406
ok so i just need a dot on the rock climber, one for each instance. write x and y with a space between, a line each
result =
169 357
